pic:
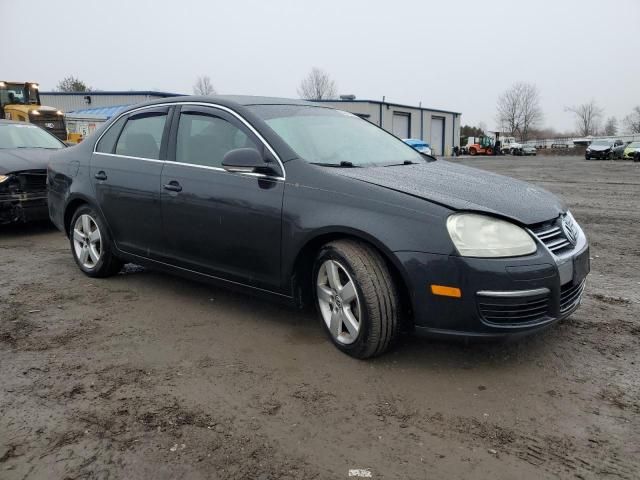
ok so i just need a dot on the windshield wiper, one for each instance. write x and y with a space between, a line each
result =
406 162
342 164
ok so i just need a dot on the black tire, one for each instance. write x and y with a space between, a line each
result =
587 157
108 264
610 156
379 300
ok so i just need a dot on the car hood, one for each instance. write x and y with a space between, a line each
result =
599 148
465 188
15 160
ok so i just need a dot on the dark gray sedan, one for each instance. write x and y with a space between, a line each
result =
24 153
317 206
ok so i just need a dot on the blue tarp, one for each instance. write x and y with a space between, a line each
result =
97 112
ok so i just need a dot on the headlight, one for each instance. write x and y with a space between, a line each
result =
35 112
4 178
483 236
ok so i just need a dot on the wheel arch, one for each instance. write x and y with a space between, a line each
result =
302 267
72 205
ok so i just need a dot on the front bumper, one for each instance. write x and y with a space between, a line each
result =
23 207
598 154
500 297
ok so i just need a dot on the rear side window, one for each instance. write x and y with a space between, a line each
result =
205 139
142 135
108 140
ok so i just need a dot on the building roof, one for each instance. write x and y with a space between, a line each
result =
149 93
379 102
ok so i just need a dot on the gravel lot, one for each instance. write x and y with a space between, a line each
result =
146 375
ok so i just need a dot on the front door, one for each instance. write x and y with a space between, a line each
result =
125 170
227 225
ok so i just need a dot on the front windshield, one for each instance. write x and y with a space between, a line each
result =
26 136
602 142
333 137
634 145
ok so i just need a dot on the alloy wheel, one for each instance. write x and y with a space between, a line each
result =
339 302
87 241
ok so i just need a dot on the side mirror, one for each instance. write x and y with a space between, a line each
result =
246 160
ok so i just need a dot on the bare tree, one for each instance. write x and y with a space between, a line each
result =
519 109
72 84
632 121
588 117
317 85
203 86
611 126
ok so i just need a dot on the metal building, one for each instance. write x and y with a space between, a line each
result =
72 101
439 128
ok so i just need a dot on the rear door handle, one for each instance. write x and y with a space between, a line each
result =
172 186
101 175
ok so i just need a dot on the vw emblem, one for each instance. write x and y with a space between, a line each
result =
569 230
49 125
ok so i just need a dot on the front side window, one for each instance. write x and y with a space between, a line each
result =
142 135
205 139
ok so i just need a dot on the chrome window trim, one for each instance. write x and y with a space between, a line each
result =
129 156
202 104
513 293
194 165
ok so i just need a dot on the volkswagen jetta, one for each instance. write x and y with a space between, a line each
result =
312 204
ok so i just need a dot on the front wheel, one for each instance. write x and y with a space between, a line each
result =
356 298
91 245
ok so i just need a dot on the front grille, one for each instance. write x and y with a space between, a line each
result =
553 236
506 311
52 123
33 181
570 295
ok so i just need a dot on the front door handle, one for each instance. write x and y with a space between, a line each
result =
101 175
172 186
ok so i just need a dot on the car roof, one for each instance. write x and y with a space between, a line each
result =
231 101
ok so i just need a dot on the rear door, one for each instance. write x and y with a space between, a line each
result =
125 170
223 224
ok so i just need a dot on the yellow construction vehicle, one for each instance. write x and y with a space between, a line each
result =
20 101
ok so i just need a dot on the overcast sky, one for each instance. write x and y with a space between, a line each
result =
454 55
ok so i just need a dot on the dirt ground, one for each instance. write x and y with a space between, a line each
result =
145 375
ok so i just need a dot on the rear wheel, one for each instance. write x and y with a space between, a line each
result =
489 151
356 298
472 151
91 245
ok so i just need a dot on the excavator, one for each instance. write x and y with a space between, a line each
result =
20 101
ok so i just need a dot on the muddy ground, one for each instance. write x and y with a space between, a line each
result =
145 375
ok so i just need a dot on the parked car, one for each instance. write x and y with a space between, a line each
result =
314 205
24 152
602 149
618 150
528 150
630 149
419 145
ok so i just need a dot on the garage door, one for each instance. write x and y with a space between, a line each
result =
400 125
437 135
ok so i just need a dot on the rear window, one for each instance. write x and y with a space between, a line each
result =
142 136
